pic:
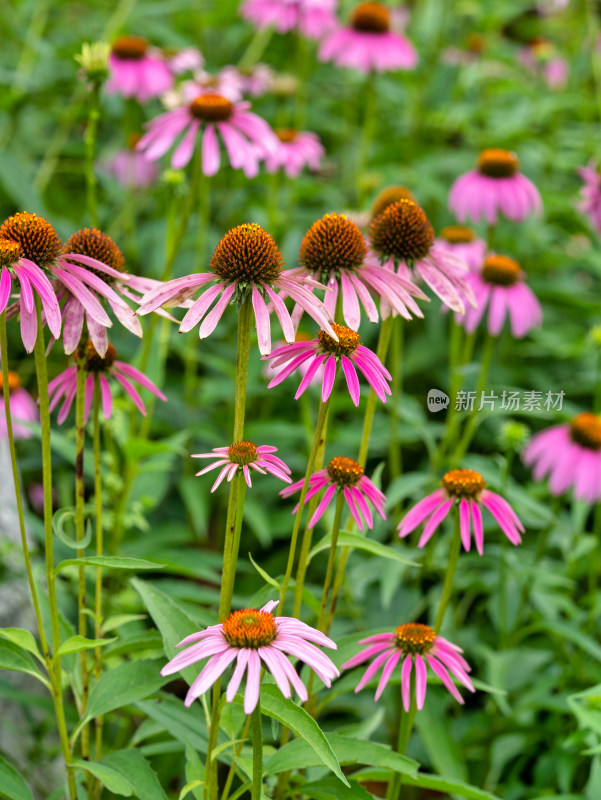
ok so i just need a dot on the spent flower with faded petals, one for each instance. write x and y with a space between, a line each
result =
243 457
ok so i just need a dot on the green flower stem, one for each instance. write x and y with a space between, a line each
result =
99 723
90 151
55 671
318 442
367 131
456 361
302 74
395 461
472 422
257 742
233 528
237 750
447 588
256 48
405 728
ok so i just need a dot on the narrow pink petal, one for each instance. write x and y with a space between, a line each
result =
262 322
352 381
478 529
406 682
434 521
329 375
323 504
465 523
253 682
387 672
211 320
421 679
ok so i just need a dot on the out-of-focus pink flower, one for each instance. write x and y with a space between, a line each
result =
474 46
500 287
23 408
247 138
242 457
347 476
463 243
468 489
295 150
590 194
64 386
413 645
131 168
495 187
570 456
539 58
347 351
369 43
246 263
137 70
312 18
402 238
188 59
254 81
254 639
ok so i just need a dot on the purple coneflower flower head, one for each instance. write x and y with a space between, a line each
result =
312 18
131 168
254 81
401 237
347 351
495 187
136 70
465 244
590 194
247 138
388 196
28 246
23 408
412 645
254 639
368 42
188 59
242 457
246 263
500 287
541 59
269 371
64 386
333 251
347 476
295 150
570 456
467 489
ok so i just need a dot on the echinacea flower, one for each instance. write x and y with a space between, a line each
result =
333 251
500 287
295 150
269 371
389 196
347 351
23 408
246 263
311 18
495 187
590 194
136 70
247 138
254 638
464 243
417 646
402 238
242 457
131 168
28 245
187 59
369 43
64 386
570 456
347 476
540 58
467 489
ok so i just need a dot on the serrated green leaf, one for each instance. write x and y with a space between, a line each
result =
356 542
12 785
76 643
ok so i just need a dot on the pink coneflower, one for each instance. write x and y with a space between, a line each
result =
415 645
347 476
590 194
500 287
242 457
539 58
369 43
137 71
246 137
131 168
23 408
254 638
269 371
333 251
469 490
246 263
401 236
463 243
64 386
312 18
28 246
188 59
495 187
346 351
295 150
255 81
570 455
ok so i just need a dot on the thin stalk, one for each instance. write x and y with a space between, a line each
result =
55 673
302 74
447 588
256 48
232 543
318 441
90 153
367 132
458 357
257 742
237 750
395 460
99 723
405 728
